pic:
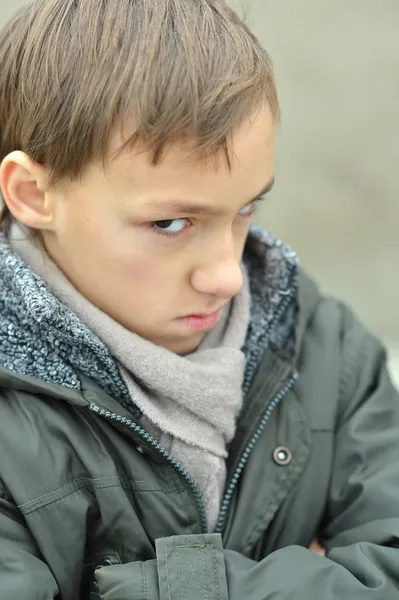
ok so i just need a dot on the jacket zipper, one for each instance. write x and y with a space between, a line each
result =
163 453
265 419
247 452
105 414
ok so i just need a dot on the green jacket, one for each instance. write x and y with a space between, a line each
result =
92 507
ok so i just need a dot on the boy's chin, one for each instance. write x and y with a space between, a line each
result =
184 346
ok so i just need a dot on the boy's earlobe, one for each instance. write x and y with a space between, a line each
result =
23 184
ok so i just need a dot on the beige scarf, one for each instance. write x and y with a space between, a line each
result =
189 403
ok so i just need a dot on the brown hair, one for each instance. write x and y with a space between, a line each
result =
71 70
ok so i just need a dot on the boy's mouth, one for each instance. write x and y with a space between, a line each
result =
200 322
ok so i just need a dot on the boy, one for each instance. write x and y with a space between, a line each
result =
181 411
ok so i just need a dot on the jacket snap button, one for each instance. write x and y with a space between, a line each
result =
282 456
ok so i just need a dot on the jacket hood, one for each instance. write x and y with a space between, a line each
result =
44 347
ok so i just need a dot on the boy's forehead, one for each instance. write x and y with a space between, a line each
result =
182 183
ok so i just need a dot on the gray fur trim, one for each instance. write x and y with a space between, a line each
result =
42 338
273 269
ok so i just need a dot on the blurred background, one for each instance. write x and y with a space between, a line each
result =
336 199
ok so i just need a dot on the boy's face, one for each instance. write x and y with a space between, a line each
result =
146 275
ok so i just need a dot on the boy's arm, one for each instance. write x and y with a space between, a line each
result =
361 536
23 575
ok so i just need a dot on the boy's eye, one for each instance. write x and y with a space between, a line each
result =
169 226
172 227
248 209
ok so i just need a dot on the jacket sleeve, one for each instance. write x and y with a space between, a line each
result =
361 529
22 572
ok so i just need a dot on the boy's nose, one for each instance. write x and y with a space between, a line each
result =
223 279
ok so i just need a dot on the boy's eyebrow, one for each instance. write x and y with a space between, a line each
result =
188 208
263 192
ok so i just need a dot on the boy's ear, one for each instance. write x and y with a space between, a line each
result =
24 184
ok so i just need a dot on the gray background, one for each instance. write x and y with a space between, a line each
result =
337 175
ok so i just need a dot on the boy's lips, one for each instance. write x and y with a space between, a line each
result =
201 321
